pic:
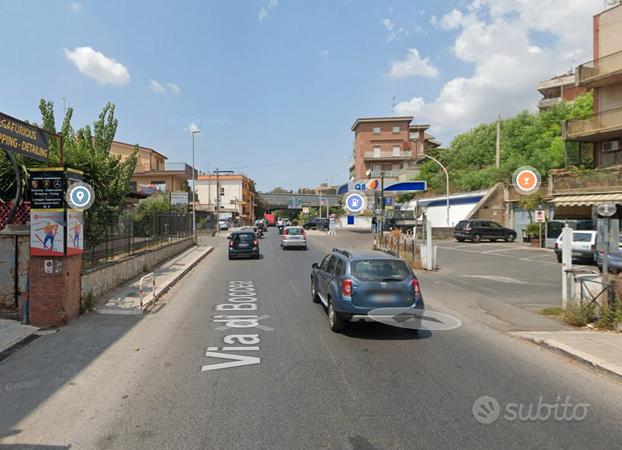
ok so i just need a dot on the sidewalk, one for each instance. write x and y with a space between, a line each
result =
601 350
13 332
126 299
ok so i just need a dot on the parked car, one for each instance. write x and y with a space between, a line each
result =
243 243
583 245
319 223
476 230
223 225
293 237
614 260
351 284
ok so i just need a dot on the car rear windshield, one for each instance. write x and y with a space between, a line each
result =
294 231
462 224
380 270
245 237
582 237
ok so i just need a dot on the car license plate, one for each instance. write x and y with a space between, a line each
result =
383 298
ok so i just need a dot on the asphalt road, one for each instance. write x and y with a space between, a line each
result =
124 382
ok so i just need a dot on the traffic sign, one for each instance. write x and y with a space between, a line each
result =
606 210
80 196
540 216
355 203
526 180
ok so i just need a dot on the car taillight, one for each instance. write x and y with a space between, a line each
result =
346 287
416 288
467 228
255 242
230 243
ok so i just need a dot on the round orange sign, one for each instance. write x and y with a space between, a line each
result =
526 180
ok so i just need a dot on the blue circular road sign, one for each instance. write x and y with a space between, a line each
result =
355 203
80 196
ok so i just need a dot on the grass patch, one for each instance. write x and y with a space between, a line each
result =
578 315
88 303
555 312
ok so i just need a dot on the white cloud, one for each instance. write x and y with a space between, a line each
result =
174 87
192 128
413 65
265 10
394 33
156 87
75 7
98 66
496 38
388 24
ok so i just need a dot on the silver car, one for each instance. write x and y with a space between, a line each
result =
293 237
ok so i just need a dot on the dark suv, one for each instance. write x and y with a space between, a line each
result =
243 243
476 230
351 284
319 223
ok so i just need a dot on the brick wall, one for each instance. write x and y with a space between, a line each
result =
492 206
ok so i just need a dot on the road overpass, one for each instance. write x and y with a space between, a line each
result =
282 201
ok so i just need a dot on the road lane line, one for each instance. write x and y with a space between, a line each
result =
291 285
339 369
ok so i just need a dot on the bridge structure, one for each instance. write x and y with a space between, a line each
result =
297 201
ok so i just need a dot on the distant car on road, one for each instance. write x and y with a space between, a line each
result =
223 225
583 245
319 223
614 261
293 237
243 243
351 284
476 230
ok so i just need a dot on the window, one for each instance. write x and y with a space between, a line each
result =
376 167
376 130
380 270
133 186
396 167
494 225
331 265
582 237
396 150
396 130
377 152
222 191
324 264
340 268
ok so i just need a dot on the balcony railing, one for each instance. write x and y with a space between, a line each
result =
599 123
168 167
548 102
387 173
389 155
599 71
598 180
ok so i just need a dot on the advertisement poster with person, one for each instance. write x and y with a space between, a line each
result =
47 232
75 232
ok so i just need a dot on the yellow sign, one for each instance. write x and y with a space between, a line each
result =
20 137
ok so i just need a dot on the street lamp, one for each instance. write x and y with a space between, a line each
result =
447 185
194 190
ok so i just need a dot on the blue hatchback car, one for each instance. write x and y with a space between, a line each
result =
351 284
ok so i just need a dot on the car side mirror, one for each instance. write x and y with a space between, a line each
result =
229 236
315 266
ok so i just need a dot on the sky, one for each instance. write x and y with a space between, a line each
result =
275 85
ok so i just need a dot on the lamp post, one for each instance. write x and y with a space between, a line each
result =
194 190
447 183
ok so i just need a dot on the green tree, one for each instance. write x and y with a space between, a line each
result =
280 190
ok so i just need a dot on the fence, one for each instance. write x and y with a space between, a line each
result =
403 246
116 235
22 214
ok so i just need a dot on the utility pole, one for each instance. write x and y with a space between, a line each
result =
194 190
498 152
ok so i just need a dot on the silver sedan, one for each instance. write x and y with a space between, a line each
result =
294 237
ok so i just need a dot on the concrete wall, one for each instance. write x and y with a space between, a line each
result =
101 279
361 223
492 206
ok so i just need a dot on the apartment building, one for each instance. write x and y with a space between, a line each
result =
562 88
389 145
237 196
153 172
577 193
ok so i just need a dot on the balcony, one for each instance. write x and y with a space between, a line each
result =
170 168
601 71
601 126
402 154
387 173
548 102
586 182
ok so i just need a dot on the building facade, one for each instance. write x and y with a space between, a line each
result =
232 195
389 145
576 194
562 88
153 173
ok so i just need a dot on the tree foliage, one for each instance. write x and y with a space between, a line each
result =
526 139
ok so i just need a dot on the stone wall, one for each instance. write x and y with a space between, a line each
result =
101 279
492 206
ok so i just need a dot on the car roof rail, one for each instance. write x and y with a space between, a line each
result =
343 252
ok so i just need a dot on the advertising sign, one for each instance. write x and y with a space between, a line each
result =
20 137
75 232
47 232
47 188
355 203
540 216
179 198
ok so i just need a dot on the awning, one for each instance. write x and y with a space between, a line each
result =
587 199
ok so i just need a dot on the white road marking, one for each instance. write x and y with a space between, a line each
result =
340 371
291 285
499 278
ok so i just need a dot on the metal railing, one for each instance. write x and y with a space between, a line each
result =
602 179
599 68
389 155
387 173
116 235
148 280
600 122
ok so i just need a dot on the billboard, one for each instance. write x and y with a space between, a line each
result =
21 137
179 198
47 232
75 232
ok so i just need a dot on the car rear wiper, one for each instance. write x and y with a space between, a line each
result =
391 279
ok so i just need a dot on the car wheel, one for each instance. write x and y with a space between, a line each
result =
230 257
460 239
336 323
493 240
314 296
476 238
510 238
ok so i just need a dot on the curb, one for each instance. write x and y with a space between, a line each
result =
159 293
570 352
